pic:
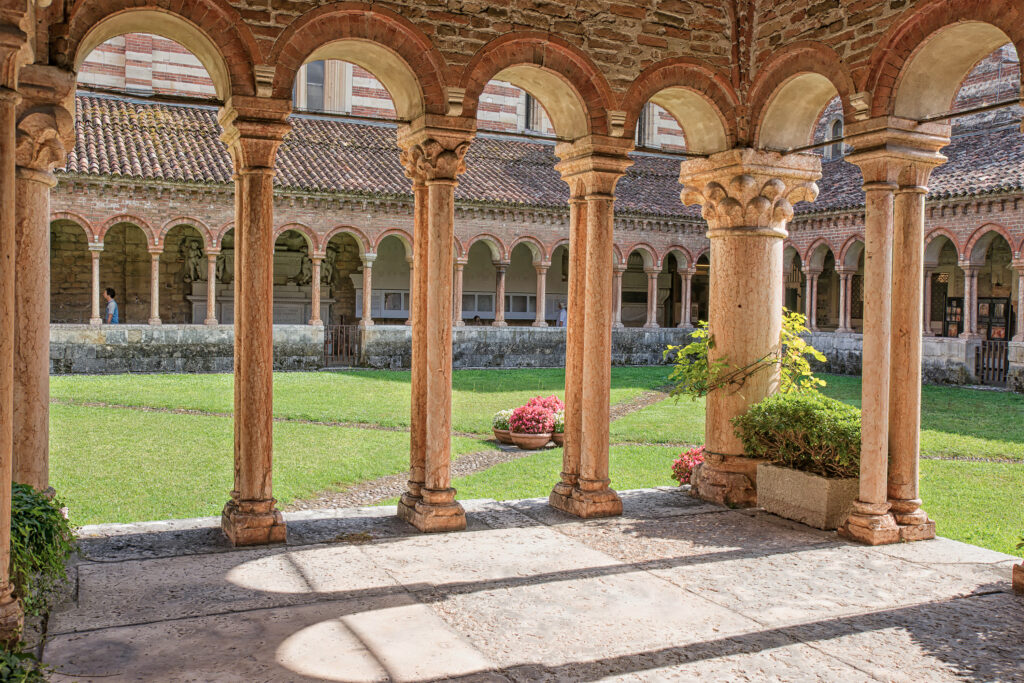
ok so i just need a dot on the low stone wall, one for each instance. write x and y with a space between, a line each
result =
103 349
1015 367
944 360
388 346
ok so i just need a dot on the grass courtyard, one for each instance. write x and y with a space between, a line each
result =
137 447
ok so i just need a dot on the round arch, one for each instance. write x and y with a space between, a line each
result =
403 237
151 236
362 241
700 99
815 255
90 235
849 255
384 43
306 232
791 91
789 251
647 252
564 242
533 244
210 30
979 242
494 244
562 78
209 241
933 245
682 254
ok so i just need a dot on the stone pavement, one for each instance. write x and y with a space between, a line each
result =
675 589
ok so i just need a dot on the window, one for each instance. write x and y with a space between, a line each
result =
315 86
643 126
836 151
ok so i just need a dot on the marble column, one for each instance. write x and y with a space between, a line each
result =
499 294
811 298
618 270
844 294
254 129
592 167
94 252
154 287
412 276
434 149
11 614
686 277
418 380
926 311
542 285
652 297
314 317
747 197
367 319
460 265
1019 332
970 301
211 289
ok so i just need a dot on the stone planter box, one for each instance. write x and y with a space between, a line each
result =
807 498
530 442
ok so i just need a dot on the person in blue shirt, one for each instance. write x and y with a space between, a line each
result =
109 295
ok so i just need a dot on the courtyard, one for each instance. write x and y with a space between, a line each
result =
132 448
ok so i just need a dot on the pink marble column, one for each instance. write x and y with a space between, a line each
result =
418 380
617 294
970 302
542 283
811 298
1019 332
412 276
154 287
499 294
652 297
314 317
94 252
845 283
460 265
367 319
926 313
211 289
686 277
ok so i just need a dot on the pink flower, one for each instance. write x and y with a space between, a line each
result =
552 403
685 464
530 419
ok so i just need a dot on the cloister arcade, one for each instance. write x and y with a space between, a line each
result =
747 169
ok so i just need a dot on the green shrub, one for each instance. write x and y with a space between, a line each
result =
804 431
42 539
20 667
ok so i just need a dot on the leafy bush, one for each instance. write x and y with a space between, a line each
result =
42 539
20 667
694 374
803 431
685 464
552 403
531 420
500 421
559 426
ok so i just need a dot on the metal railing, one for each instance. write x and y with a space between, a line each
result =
991 362
341 346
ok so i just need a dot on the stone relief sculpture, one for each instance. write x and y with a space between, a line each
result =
305 274
191 250
327 267
222 269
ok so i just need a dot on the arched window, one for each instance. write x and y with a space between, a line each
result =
836 151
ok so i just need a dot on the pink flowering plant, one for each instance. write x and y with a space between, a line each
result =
685 464
531 419
552 403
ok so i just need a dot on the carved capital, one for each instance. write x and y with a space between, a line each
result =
897 151
253 130
46 124
751 189
14 49
594 164
434 147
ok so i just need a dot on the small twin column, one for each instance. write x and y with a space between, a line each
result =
460 265
314 314
652 297
686 275
154 287
845 297
811 298
94 252
367 319
211 288
500 267
617 310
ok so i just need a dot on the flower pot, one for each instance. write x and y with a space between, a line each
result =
807 498
530 442
558 438
502 435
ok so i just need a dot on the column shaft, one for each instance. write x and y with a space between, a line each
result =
617 297
926 310
367 319
844 291
154 288
970 302
457 294
541 295
652 299
418 304
32 329
499 295
314 315
211 290
95 319
686 279
412 276
1019 332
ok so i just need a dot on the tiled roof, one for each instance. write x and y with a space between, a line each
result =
135 139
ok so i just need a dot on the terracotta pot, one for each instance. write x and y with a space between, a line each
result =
530 442
558 438
502 435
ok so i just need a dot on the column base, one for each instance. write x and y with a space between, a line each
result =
12 616
435 511
252 522
363 324
154 321
913 522
969 335
459 323
539 324
211 322
870 523
617 326
95 321
586 504
651 326
729 480
1018 578
499 323
317 322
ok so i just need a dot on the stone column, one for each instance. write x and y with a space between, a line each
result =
542 285
460 264
652 297
94 252
44 132
418 304
314 316
686 275
811 298
747 197
254 129
970 301
367 319
845 294
412 275
211 289
1019 333
434 149
618 270
592 167
154 287
499 294
926 311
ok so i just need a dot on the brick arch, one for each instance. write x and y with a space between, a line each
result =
809 255
897 47
404 237
537 249
223 231
706 251
551 55
362 241
652 260
787 247
948 234
688 259
844 251
793 88
459 252
707 94
978 235
211 29
200 227
151 235
564 242
371 25
617 258
496 245
304 230
91 235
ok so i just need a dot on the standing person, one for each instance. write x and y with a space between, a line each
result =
109 295
561 314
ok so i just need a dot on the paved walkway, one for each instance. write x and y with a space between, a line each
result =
673 590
